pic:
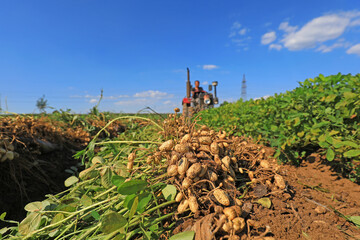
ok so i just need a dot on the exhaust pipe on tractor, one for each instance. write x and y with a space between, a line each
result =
187 101
188 84
216 100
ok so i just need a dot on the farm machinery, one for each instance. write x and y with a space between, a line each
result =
197 99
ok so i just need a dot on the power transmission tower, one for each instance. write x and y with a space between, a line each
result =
243 88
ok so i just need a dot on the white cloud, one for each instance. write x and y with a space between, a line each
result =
76 96
268 38
241 42
263 97
267 24
275 46
205 83
354 49
242 31
340 43
93 100
236 25
168 102
115 97
238 35
140 102
229 100
350 14
287 28
355 22
152 94
316 31
209 67
87 96
232 34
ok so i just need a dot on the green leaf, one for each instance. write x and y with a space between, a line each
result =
265 202
355 220
169 192
47 205
300 134
33 206
329 139
330 98
30 223
95 215
132 187
129 200
66 208
70 181
154 228
349 95
53 233
330 155
341 104
3 231
297 121
57 218
346 143
273 128
144 199
352 153
2 216
97 160
121 170
133 207
333 132
321 124
323 144
322 138
328 110
188 235
120 236
86 200
112 222
106 178
117 180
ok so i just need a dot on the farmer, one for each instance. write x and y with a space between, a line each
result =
195 92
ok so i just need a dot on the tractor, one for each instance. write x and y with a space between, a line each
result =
205 100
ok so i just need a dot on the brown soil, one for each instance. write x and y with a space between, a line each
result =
306 211
36 170
44 150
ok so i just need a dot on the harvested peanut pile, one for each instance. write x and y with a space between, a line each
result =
231 188
219 180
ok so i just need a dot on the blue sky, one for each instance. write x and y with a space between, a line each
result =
138 51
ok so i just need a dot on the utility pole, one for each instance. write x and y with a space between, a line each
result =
243 88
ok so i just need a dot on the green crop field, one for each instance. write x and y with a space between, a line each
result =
322 114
